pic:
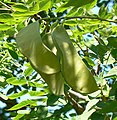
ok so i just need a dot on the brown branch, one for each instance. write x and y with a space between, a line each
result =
78 108
78 95
80 17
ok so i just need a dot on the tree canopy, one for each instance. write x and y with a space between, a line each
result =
58 59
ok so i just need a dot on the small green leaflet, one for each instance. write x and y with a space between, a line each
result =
77 3
18 116
20 7
5 17
36 93
15 81
13 54
19 94
23 104
112 72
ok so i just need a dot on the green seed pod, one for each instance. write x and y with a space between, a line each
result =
55 81
47 40
74 70
41 57
30 44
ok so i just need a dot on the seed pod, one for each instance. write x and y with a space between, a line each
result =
30 44
43 60
74 70
47 40
55 81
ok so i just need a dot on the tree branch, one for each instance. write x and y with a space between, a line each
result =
78 95
78 108
9 8
80 17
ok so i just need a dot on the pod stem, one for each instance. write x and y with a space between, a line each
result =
78 108
78 95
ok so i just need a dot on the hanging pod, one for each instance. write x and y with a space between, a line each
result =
47 41
43 60
30 44
55 81
75 72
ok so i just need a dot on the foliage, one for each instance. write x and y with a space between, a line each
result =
24 94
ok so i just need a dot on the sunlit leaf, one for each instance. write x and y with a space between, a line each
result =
45 4
17 117
16 95
2 79
4 17
90 104
28 71
15 81
78 3
36 84
20 7
23 111
115 118
36 93
112 72
86 115
23 104
4 27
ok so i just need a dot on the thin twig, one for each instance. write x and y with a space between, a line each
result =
78 108
5 5
80 96
80 17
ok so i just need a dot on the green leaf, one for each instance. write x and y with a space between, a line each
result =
109 106
17 117
75 12
112 72
114 53
108 59
13 54
5 17
23 111
94 94
36 93
19 94
20 7
35 84
28 71
90 62
23 14
103 11
45 5
4 27
15 81
70 22
23 104
77 3
112 42
2 79
11 31
52 99
86 115
90 104
115 118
